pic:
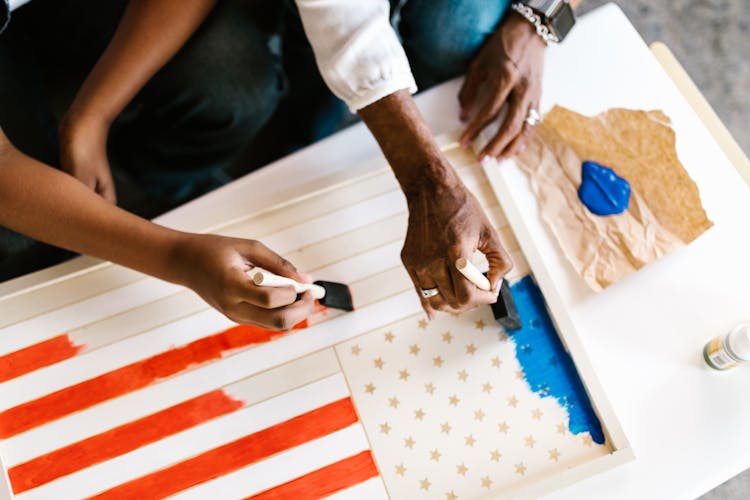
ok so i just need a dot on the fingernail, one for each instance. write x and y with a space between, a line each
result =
497 286
306 277
464 143
430 315
485 160
522 149
462 115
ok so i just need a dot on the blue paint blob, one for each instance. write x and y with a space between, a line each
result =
548 367
602 191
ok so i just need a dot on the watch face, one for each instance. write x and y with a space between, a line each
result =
547 8
556 14
562 22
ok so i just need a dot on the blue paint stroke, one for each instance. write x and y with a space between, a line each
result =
602 191
548 368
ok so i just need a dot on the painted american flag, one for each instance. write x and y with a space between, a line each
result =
115 385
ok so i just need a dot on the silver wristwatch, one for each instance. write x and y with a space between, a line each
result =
553 19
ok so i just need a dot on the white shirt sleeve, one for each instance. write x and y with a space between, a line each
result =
356 49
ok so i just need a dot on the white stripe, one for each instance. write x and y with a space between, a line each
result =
193 441
54 323
284 467
362 266
141 319
372 489
92 364
339 222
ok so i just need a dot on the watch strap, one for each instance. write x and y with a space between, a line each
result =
536 20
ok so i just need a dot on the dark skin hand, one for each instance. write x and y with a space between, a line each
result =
507 69
446 221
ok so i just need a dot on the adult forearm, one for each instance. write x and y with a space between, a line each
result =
407 143
53 207
149 34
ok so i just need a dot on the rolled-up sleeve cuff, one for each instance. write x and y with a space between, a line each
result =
382 89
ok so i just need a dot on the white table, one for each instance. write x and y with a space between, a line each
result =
688 426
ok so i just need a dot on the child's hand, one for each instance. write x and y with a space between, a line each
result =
215 267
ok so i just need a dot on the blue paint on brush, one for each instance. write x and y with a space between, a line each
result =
548 367
602 191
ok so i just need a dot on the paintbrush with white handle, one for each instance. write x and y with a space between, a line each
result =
504 309
328 293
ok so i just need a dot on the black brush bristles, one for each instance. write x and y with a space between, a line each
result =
504 309
337 296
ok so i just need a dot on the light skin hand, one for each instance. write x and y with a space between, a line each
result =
446 221
53 207
507 69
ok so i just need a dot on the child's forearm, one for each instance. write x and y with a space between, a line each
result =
149 34
53 207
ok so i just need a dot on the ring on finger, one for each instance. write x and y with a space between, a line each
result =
533 118
429 292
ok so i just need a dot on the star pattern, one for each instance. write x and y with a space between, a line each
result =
460 424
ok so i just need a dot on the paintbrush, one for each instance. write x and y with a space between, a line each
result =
504 310
327 293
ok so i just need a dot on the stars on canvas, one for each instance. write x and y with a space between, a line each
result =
462 421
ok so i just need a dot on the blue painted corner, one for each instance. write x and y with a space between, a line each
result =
548 368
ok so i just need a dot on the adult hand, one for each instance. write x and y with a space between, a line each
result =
83 153
508 68
215 267
446 223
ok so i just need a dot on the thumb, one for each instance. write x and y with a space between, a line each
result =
262 256
498 259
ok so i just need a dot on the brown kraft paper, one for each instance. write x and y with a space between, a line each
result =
665 210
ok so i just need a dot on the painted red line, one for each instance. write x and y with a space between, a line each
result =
326 481
128 378
240 453
120 440
37 356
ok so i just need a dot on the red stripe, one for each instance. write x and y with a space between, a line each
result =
120 440
240 453
326 481
37 356
128 378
